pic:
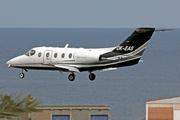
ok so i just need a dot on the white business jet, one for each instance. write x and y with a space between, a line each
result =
74 60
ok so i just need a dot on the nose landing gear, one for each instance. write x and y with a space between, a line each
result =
21 75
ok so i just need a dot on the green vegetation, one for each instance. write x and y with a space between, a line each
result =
15 106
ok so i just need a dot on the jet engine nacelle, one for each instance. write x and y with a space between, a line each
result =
86 57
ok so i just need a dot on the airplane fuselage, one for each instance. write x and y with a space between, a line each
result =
47 58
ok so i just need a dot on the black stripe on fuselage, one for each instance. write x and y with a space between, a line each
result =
93 68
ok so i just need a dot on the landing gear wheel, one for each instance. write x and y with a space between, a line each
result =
92 76
21 75
71 77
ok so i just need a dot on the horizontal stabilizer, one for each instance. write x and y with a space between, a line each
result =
164 30
69 68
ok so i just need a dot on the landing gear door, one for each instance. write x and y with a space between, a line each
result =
47 57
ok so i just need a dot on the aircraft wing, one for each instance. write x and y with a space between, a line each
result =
69 68
107 69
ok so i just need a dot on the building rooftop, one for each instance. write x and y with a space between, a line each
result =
165 101
74 107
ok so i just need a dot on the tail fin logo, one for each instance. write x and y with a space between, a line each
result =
125 48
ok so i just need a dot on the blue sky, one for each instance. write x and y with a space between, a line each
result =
89 13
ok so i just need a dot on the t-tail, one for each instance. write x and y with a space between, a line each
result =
132 48
138 40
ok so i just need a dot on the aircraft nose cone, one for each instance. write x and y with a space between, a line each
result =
8 63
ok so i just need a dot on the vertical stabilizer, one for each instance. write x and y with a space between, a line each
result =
137 39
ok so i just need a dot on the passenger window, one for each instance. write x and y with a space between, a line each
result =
32 52
63 55
47 54
39 54
70 55
55 55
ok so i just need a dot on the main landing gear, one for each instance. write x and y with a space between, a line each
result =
92 76
72 76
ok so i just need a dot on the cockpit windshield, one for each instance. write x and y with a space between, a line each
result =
30 53
27 53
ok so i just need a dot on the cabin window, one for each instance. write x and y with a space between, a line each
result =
39 54
63 55
55 55
32 52
70 55
47 54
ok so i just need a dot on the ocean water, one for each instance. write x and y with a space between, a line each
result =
125 90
